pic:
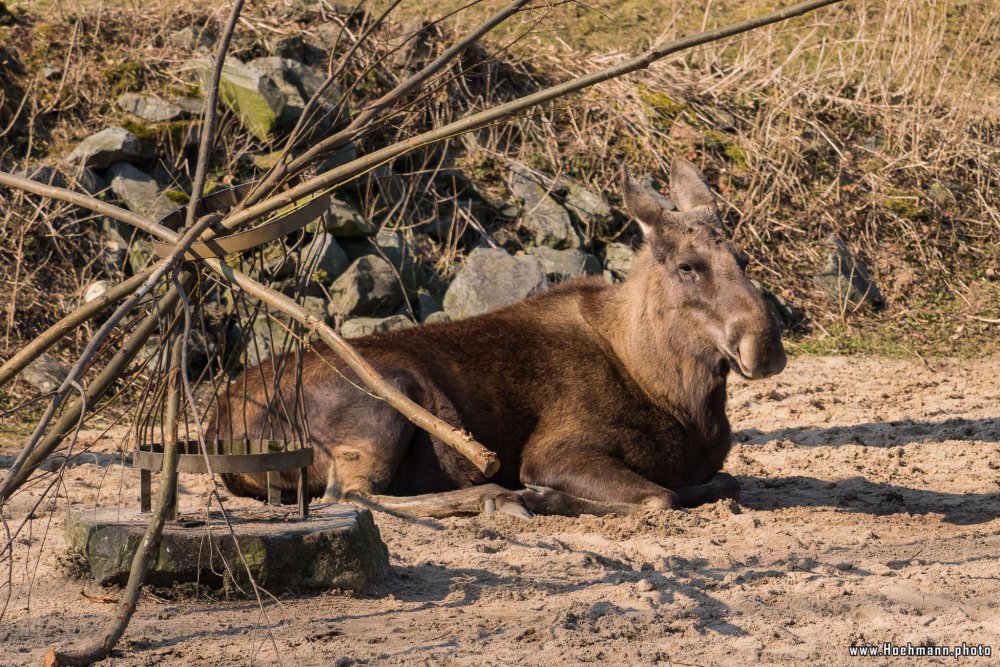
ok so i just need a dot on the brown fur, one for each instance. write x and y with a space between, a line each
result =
609 393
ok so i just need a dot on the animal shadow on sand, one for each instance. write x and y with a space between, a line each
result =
858 494
878 434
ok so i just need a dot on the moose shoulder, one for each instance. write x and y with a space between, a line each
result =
597 398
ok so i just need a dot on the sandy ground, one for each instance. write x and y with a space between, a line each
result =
869 515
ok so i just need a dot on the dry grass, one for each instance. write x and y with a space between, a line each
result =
859 120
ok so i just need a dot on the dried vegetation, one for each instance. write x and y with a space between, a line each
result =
873 121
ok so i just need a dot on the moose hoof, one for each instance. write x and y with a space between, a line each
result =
668 501
726 486
508 504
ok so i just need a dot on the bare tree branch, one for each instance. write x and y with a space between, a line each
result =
211 114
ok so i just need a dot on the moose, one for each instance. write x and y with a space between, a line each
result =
597 398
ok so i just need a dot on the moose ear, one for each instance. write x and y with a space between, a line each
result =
643 207
688 188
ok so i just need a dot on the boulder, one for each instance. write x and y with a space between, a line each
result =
46 373
107 146
139 191
84 178
277 263
368 287
562 265
846 278
440 316
324 257
259 342
427 305
114 248
542 217
291 47
366 326
298 84
590 209
255 97
344 221
151 108
619 258
490 279
390 246
191 39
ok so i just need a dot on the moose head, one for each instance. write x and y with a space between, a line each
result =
697 297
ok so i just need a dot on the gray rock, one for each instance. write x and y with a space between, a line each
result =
343 155
87 180
255 97
46 373
297 83
324 257
84 178
591 209
427 305
369 287
151 108
562 265
545 220
105 147
339 547
114 248
345 221
433 318
384 187
191 39
291 47
366 326
460 228
490 279
139 191
390 246
619 258
846 278
279 264
260 341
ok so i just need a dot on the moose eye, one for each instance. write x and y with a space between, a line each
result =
686 272
685 268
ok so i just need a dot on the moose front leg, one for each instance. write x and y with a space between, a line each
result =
546 500
597 477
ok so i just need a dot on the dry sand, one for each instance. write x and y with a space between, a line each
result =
871 497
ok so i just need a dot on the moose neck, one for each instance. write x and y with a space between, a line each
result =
656 347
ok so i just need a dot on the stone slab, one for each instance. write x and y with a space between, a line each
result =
338 546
